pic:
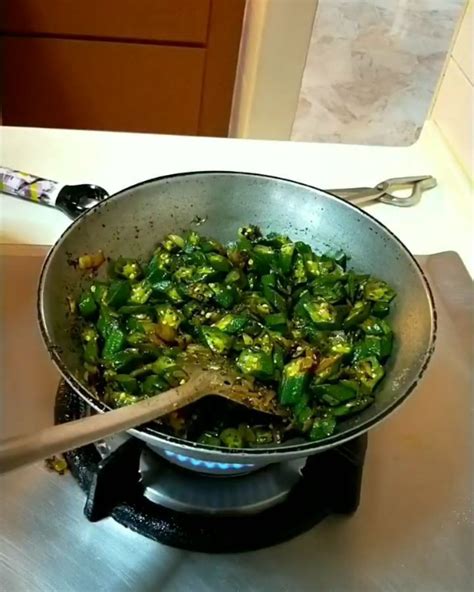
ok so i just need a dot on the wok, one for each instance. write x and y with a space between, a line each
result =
131 222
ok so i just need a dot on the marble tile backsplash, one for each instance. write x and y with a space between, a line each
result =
372 69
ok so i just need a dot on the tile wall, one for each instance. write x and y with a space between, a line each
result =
372 69
453 109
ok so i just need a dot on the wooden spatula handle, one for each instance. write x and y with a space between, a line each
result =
22 450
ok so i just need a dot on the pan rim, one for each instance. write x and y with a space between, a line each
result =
155 438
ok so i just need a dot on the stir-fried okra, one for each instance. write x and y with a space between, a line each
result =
286 317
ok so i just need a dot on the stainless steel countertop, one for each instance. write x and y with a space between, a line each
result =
413 530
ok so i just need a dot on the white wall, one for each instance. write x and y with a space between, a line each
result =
454 104
273 51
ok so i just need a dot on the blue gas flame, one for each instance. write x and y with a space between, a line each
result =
206 464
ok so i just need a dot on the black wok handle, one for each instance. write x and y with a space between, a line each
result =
73 200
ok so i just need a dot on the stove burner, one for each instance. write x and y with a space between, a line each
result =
189 491
122 486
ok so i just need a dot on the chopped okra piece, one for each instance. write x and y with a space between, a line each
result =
219 262
129 269
368 372
120 398
328 369
136 309
257 304
140 292
354 285
241 341
276 322
299 271
237 277
262 437
200 292
285 260
90 344
185 274
331 291
255 363
216 340
191 240
303 413
114 343
335 394
126 360
373 345
160 261
351 407
247 433
263 258
232 323
173 242
322 427
340 342
278 357
224 294
125 382
359 312
323 315
163 364
205 273
265 342
99 292
168 322
209 245
87 305
295 378
276 300
160 283
380 309
174 294
378 291
231 438
376 326
118 293
107 322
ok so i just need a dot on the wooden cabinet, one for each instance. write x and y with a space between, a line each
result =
102 85
180 21
162 66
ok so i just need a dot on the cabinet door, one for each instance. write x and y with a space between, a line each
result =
102 85
177 21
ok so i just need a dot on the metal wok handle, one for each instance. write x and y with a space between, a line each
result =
383 192
73 200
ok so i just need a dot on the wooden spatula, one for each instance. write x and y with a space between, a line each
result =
22 450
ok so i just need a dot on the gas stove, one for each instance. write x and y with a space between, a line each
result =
185 508
393 515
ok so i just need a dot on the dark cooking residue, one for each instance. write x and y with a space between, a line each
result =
198 220
56 464
284 316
